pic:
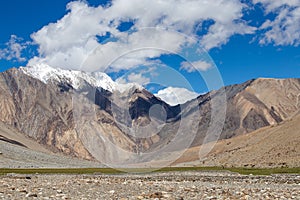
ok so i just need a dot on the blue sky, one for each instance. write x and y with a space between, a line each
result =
253 42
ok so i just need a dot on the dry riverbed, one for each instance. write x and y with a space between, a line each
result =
162 185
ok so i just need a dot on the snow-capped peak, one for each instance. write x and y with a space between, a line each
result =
46 73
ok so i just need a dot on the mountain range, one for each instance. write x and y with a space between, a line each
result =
91 117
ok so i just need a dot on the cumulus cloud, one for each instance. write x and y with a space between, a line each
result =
142 76
285 28
174 96
220 33
195 66
271 5
134 50
72 42
67 42
134 78
14 49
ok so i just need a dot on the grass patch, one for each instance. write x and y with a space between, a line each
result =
246 171
60 171
264 171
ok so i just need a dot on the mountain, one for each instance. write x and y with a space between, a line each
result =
78 119
19 151
249 106
75 79
87 115
271 146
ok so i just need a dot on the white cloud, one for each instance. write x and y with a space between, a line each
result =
71 42
135 50
138 78
220 33
142 76
174 96
285 28
14 48
272 5
68 42
194 66
134 78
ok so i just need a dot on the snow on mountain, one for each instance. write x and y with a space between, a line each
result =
46 73
174 96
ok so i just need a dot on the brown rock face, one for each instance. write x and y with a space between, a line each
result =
255 104
41 111
91 122
267 147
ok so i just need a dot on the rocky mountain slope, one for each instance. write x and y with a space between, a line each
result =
249 106
20 151
272 146
89 116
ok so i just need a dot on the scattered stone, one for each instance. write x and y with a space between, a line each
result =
111 191
156 195
22 190
175 186
31 194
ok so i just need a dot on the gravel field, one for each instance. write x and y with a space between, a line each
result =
14 156
169 185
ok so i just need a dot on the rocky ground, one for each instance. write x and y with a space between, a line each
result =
14 156
171 185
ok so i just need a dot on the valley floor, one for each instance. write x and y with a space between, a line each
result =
162 185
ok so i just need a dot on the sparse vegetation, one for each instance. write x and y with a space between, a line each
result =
254 171
246 171
266 171
60 171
